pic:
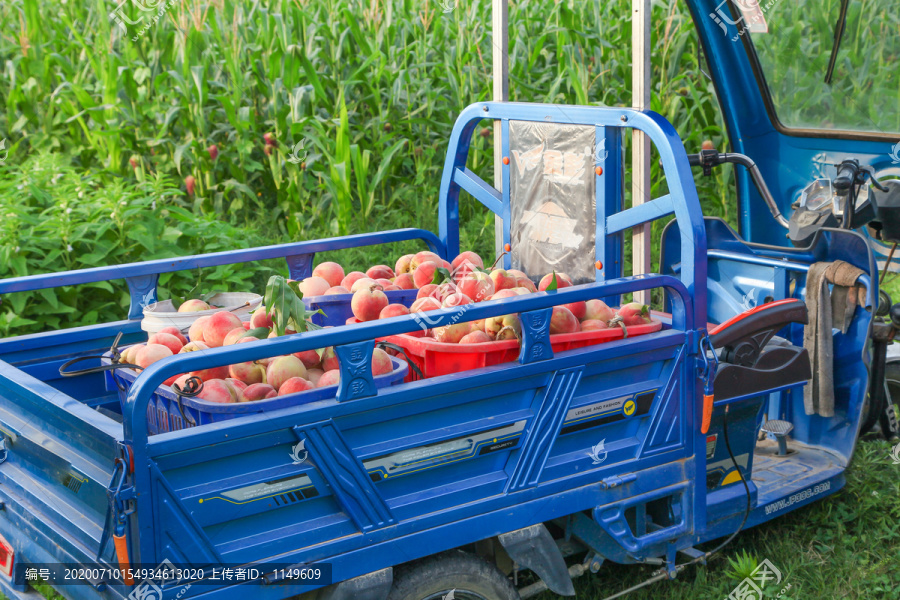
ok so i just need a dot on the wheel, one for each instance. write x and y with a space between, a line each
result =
467 576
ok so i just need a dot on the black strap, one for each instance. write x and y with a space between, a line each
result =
192 387
114 357
418 374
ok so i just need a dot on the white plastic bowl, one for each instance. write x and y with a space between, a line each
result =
163 314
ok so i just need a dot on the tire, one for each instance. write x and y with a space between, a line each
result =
466 575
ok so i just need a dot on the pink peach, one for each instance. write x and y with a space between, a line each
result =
314 286
218 326
176 332
295 385
331 272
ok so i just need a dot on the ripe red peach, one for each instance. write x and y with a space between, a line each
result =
314 286
426 273
330 378
351 278
258 391
249 372
634 313
236 384
502 280
456 299
525 283
295 385
380 272
166 339
563 321
176 332
404 281
562 281
597 310
477 286
193 305
381 362
424 304
216 390
261 318
338 289
403 264
314 376
593 325
283 368
367 304
475 337
467 257
517 273
393 310
151 353
233 336
425 256
427 291
331 272
195 333
579 309
329 359
504 294
364 283
218 326
452 334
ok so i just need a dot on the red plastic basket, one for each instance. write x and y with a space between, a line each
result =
438 358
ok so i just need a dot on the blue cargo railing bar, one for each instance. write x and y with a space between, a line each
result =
360 336
682 200
142 277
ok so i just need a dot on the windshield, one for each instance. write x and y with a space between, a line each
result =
794 39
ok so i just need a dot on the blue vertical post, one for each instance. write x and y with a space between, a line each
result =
609 159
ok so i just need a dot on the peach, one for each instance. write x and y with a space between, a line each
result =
211 373
380 272
195 333
193 305
493 325
351 278
295 385
330 378
283 368
367 304
426 273
338 289
424 256
218 326
246 325
381 362
247 339
517 273
427 291
352 321
502 280
249 372
392 288
329 359
236 384
457 299
475 337
234 336
510 332
597 310
477 286
331 272
467 257
634 313
504 294
261 318
151 353
525 283
393 310
404 281
129 356
176 332
181 381
403 264
314 375
218 391
314 286
562 321
168 340
424 304
452 334
193 347
562 280
258 391
384 283
363 283
593 325
579 309
309 358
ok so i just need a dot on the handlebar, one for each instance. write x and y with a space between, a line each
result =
710 158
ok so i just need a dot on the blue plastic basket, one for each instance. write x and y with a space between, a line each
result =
165 413
337 306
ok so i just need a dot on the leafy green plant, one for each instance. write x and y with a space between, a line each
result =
284 302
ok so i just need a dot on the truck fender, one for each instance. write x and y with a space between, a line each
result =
534 548
371 586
